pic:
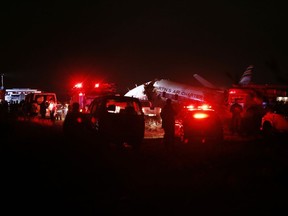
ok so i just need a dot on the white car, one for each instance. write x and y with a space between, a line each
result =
275 121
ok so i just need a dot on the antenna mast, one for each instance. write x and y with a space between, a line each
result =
2 81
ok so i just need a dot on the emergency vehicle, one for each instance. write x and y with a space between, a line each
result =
255 95
275 121
84 93
199 124
18 94
33 101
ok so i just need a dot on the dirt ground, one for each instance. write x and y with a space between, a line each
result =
43 173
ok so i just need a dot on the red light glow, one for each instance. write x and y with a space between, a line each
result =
200 115
190 107
78 85
96 85
93 120
204 107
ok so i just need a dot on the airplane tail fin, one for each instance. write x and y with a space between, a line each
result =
246 77
203 81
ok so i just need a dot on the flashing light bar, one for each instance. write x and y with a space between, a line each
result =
78 85
203 107
190 107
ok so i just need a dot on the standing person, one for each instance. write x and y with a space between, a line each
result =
236 109
52 109
168 123
73 125
43 109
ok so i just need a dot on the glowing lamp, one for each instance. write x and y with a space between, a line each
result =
190 107
200 115
78 85
204 107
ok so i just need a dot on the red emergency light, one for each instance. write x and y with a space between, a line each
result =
204 107
78 85
190 107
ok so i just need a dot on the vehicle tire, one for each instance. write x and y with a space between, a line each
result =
119 145
267 130
104 144
220 138
136 144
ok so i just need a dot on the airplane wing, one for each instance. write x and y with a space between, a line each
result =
137 92
203 81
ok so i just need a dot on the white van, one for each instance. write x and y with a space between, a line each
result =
33 101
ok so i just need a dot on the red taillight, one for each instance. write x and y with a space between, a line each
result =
93 120
200 115
79 120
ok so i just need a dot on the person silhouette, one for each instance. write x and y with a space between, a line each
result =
52 109
168 123
43 109
236 110
74 125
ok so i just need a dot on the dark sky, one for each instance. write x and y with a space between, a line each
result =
48 45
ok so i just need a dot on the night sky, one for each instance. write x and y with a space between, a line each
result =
50 45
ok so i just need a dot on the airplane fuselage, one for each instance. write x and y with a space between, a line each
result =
176 91
157 92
